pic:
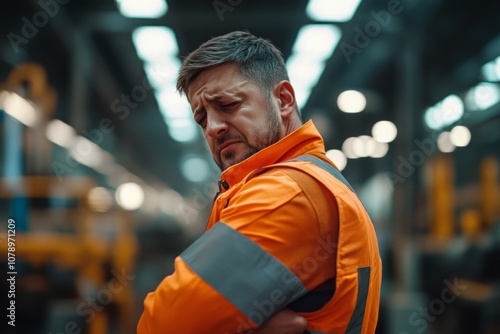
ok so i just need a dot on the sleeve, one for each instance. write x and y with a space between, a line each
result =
265 253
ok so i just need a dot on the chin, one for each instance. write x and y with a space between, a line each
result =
226 163
232 158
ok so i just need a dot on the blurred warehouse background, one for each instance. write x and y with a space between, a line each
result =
106 177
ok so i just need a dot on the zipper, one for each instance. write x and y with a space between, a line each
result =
222 184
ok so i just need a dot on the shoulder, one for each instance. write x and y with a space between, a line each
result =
288 176
313 197
270 185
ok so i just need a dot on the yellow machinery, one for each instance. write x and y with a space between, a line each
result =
84 249
478 206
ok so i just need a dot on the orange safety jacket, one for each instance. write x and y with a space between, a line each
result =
272 243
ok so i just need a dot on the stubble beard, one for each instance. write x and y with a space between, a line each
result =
272 135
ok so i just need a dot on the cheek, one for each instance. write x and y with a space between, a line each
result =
210 142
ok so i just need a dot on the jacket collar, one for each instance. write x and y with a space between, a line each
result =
305 139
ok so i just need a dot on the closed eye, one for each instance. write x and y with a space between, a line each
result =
199 116
229 106
200 120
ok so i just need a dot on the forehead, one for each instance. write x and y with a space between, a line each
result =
216 81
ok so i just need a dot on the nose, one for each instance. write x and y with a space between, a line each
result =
216 124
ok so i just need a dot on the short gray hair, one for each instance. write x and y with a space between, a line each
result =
259 59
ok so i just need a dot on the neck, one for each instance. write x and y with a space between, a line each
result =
291 124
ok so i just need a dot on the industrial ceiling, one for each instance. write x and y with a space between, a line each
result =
403 62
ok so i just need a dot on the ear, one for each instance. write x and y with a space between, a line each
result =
285 96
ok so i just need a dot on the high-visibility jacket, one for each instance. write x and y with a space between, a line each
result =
285 228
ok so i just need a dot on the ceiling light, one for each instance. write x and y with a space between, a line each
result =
195 169
460 136
338 157
482 96
348 147
430 118
60 133
182 130
332 10
106 164
130 196
19 108
301 95
317 41
358 147
444 143
303 71
172 104
451 109
163 73
177 114
155 43
444 113
384 131
364 146
142 8
86 152
380 150
491 70
99 199
351 101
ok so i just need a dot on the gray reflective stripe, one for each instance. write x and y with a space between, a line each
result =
240 270
326 166
356 322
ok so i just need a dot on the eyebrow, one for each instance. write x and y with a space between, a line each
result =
217 97
223 95
232 92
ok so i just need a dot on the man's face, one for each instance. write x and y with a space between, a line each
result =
236 119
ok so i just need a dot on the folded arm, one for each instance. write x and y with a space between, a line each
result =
237 275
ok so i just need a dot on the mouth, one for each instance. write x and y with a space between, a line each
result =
225 145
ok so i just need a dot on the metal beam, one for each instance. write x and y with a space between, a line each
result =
86 62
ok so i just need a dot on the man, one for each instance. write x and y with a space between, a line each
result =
288 245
